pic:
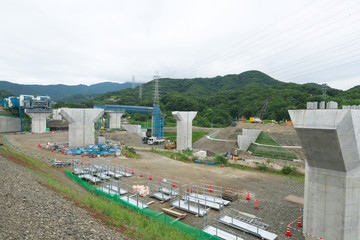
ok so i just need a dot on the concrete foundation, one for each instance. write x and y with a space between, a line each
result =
331 142
81 125
184 129
135 129
115 119
248 136
9 124
38 119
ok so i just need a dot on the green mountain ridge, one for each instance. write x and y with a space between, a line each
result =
61 91
221 100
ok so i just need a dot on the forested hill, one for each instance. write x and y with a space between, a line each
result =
61 91
220 100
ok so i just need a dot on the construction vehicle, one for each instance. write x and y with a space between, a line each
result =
170 145
103 124
147 136
155 141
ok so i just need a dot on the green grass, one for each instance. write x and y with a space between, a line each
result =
264 138
171 136
136 225
276 152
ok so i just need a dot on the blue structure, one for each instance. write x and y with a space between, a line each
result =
158 117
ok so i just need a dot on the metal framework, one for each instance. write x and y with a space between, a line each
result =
157 120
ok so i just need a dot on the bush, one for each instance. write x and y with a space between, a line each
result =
262 167
221 159
288 169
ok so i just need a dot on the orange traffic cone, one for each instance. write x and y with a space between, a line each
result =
141 174
132 171
256 205
187 187
248 196
288 233
174 184
299 222
150 177
210 189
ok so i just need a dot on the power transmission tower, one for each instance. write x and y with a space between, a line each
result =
156 90
324 86
140 91
133 82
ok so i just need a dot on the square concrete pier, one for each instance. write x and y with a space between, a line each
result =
38 119
331 142
184 129
81 125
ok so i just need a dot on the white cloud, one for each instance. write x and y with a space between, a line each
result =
73 42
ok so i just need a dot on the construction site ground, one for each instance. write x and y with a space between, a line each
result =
268 189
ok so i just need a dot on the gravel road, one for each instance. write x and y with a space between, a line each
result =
31 211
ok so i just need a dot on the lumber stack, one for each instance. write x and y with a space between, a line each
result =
230 196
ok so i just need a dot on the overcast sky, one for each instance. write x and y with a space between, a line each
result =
86 42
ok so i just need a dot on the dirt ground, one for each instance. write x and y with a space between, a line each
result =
267 189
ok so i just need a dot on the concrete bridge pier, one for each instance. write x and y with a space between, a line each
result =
330 140
115 119
184 129
38 119
81 125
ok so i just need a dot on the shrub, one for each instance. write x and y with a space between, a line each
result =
262 167
288 169
221 159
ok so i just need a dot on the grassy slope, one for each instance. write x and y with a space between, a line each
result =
132 224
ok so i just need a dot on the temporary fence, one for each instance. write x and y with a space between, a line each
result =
157 216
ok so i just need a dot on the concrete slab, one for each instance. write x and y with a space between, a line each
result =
331 142
184 129
81 125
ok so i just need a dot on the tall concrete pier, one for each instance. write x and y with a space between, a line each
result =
184 129
38 119
81 125
115 119
331 142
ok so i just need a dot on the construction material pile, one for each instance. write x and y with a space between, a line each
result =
141 190
107 149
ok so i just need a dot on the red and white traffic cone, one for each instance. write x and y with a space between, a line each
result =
159 180
222 165
299 222
288 233
82 155
191 189
132 171
256 205
187 187
150 178
141 174
104 154
174 184
210 189
248 196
